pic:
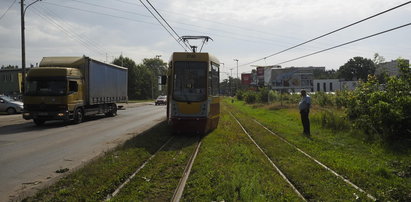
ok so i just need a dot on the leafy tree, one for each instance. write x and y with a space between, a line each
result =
383 110
143 78
156 67
378 59
9 67
356 68
328 74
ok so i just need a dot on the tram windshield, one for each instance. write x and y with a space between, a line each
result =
190 81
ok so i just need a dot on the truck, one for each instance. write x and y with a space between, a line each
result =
71 88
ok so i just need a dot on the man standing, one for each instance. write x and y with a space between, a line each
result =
304 107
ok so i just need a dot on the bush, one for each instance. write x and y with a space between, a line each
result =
323 99
240 95
262 95
250 97
384 110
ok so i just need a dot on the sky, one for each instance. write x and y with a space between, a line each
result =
241 29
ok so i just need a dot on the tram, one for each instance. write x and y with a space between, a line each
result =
193 102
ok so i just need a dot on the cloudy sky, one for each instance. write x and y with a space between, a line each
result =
242 29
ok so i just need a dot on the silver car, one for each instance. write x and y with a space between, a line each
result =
9 105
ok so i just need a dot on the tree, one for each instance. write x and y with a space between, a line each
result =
378 59
384 110
328 74
9 67
156 67
356 68
142 78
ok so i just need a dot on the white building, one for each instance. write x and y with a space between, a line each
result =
332 85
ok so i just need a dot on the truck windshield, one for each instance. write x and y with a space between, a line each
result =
46 87
190 81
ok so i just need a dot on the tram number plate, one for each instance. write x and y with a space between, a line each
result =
191 56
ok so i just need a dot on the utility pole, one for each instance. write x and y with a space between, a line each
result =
23 43
231 81
237 66
23 48
236 83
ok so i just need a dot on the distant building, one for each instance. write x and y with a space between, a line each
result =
389 68
10 81
246 79
332 85
293 79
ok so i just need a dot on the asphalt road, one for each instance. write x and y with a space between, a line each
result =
31 155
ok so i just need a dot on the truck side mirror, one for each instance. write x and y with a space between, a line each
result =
163 80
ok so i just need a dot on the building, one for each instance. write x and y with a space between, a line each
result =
389 68
10 81
332 85
293 79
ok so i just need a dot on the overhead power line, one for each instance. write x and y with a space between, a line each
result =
350 42
187 45
8 9
67 32
177 40
339 29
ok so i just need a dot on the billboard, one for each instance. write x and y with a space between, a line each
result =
246 79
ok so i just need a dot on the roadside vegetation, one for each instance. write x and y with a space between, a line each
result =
351 133
103 175
365 135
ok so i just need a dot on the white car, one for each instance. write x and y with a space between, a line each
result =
9 105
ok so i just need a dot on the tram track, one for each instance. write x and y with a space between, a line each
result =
159 167
287 175
272 163
318 162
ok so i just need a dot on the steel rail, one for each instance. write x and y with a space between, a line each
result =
272 163
178 193
319 163
110 196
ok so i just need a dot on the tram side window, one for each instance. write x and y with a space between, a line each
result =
215 78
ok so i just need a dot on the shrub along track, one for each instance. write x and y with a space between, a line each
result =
311 178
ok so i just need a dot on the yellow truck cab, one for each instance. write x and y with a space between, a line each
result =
69 88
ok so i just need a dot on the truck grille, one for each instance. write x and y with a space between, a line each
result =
44 107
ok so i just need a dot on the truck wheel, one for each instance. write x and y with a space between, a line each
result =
11 110
38 122
112 112
78 116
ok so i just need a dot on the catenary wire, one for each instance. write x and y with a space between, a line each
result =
350 42
329 33
1 17
235 36
163 26
187 45
88 41
67 32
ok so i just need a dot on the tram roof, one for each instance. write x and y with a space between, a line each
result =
189 56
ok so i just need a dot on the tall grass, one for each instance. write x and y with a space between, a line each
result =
331 120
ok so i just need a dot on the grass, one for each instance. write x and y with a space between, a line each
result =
230 168
102 176
158 180
370 166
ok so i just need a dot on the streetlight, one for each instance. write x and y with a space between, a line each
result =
23 43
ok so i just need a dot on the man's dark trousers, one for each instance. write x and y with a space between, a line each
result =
305 120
